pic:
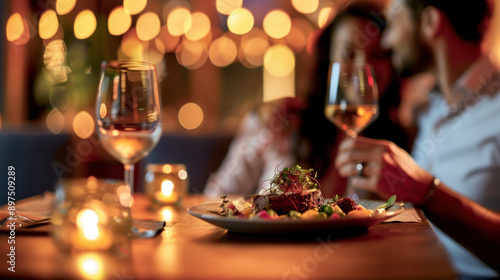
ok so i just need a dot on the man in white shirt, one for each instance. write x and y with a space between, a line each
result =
459 130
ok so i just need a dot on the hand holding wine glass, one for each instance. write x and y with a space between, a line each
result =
128 112
352 100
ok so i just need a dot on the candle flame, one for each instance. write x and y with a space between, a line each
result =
91 232
87 220
167 187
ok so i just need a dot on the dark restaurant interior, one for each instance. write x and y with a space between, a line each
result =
216 64
53 78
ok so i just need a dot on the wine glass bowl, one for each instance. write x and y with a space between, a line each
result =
128 112
352 99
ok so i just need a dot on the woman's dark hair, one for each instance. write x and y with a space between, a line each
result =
318 136
469 19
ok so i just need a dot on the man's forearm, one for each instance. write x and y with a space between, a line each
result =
470 224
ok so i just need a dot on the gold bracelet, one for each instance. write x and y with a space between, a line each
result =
434 184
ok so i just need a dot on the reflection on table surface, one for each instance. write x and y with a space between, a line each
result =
190 248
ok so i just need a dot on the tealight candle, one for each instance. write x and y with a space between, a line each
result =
92 215
166 184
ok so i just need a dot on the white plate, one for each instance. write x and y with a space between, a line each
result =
208 213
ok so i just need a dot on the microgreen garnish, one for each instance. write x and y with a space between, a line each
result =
294 180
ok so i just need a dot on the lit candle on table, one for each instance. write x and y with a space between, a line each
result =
166 184
167 193
89 233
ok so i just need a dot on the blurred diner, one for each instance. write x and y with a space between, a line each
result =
458 139
290 131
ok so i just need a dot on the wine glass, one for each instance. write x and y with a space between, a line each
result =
128 112
352 100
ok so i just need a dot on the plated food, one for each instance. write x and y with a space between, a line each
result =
292 204
294 193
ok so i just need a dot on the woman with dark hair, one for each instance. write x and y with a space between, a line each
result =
353 35
297 133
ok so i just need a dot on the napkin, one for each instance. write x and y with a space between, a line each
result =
40 207
409 215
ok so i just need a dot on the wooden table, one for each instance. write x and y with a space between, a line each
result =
192 249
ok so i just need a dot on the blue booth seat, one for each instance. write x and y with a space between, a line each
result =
41 158
32 154
201 155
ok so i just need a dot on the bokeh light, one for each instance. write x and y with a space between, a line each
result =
133 7
85 24
279 61
190 116
152 54
83 125
207 40
324 16
179 21
222 51
242 60
167 169
159 45
48 24
226 7
167 213
119 21
254 45
148 26
182 174
25 36
305 6
131 46
55 121
277 24
168 40
200 26
192 54
64 7
15 27
240 21
275 88
299 34
91 266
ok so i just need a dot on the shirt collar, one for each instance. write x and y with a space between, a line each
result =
473 78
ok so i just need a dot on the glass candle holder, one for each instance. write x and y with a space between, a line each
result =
92 215
166 184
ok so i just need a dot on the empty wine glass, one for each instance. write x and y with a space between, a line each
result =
128 112
352 99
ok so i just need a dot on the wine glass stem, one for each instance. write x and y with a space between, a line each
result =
129 176
351 191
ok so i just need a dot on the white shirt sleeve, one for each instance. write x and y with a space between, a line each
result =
251 160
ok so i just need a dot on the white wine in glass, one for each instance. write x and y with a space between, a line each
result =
351 118
128 112
352 99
